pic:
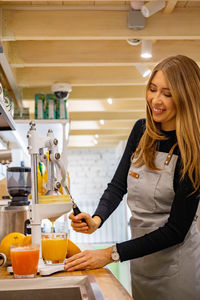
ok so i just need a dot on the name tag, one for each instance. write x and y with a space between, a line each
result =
133 174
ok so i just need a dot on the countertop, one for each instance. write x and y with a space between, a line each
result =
109 285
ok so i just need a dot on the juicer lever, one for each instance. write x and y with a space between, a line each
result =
76 210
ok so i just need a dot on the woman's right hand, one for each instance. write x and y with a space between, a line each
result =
89 227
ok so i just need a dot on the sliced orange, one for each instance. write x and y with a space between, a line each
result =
72 248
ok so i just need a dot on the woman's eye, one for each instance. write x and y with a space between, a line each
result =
168 95
152 90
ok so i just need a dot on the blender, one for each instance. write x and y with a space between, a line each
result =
14 217
19 185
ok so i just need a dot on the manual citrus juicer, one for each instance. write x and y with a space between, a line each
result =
52 205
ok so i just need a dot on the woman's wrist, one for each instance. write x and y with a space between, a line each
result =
97 220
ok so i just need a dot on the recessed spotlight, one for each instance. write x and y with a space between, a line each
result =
96 136
133 42
109 100
101 122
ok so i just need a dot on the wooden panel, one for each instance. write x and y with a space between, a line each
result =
31 25
93 53
31 77
94 92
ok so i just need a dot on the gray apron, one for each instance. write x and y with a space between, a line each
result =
172 273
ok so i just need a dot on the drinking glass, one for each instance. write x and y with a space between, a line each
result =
25 260
54 247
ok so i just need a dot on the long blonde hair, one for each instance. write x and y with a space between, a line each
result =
183 76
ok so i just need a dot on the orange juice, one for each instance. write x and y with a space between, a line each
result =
25 260
54 247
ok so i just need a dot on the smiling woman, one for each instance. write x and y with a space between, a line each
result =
160 169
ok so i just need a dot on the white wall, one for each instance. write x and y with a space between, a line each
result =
90 171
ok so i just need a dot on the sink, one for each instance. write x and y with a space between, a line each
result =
51 288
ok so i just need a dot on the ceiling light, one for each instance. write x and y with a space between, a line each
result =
144 71
146 51
101 122
152 7
137 5
96 136
135 20
109 100
133 42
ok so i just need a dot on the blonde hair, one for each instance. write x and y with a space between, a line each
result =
183 76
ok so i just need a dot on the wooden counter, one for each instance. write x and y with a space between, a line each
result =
110 287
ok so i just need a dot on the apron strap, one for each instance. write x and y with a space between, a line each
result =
169 156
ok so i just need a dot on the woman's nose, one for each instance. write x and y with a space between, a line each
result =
157 98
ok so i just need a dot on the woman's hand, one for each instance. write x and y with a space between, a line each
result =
89 259
89 227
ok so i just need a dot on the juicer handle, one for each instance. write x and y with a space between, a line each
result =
77 211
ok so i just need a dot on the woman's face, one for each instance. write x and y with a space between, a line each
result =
161 102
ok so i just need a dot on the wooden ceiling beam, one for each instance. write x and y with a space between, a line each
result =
95 25
103 105
93 92
78 76
97 116
92 53
101 132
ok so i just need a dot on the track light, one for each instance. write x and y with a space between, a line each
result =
144 71
146 51
152 7
137 5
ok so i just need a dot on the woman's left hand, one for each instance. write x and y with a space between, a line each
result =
89 259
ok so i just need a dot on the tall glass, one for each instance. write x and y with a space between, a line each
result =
25 261
54 247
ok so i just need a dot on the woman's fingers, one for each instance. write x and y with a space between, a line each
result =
89 259
84 227
76 264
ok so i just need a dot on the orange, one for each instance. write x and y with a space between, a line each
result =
27 240
14 239
72 248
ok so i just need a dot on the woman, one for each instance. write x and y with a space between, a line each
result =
160 169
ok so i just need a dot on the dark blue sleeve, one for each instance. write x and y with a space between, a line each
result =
117 188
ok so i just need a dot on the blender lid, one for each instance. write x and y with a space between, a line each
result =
18 169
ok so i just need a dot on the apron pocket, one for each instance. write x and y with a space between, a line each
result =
141 190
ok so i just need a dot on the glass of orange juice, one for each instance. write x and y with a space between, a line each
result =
25 260
54 247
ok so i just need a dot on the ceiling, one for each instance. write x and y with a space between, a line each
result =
84 43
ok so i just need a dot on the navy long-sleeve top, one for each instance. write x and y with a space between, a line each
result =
183 210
